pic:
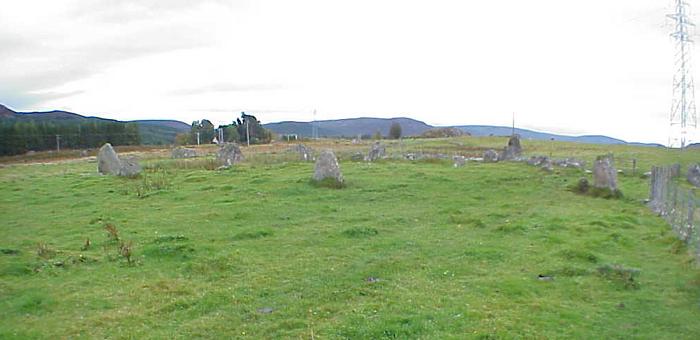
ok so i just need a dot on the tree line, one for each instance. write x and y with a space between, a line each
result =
18 136
243 129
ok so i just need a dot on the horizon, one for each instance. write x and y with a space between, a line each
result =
164 60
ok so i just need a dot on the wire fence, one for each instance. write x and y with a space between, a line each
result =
676 204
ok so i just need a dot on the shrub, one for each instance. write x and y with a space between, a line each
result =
112 232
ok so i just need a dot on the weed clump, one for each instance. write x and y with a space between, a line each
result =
615 272
360 232
328 182
112 232
251 235
583 187
44 251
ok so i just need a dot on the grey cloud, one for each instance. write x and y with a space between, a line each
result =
36 62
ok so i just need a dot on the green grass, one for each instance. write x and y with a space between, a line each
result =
405 250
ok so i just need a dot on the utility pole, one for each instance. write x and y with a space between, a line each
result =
58 143
314 127
683 114
247 131
513 132
197 137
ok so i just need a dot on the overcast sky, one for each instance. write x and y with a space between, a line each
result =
573 67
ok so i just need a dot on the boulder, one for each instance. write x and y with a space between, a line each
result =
693 175
604 173
327 167
184 153
459 161
229 154
513 150
377 151
108 163
490 156
357 157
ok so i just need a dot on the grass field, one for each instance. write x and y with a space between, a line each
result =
408 249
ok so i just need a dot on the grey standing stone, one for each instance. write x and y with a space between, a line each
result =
108 163
490 156
604 173
377 151
184 153
513 150
693 175
229 154
327 167
459 161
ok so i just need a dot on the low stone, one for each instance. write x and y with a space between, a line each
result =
304 152
491 156
327 167
358 156
229 154
184 153
84 153
378 151
459 161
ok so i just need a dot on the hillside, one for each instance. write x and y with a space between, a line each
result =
351 127
152 132
410 127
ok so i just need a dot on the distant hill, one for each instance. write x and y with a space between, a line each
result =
411 127
350 127
152 132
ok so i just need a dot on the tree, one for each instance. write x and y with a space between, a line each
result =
377 135
395 130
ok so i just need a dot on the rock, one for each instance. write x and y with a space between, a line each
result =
693 175
108 163
604 173
229 154
646 174
304 152
538 161
83 153
265 310
31 152
570 163
459 161
377 151
513 150
357 156
130 167
327 167
184 153
490 156
410 156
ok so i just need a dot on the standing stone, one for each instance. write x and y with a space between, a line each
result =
304 152
513 150
84 153
460 161
108 163
184 153
377 151
229 154
490 156
693 175
604 173
327 167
